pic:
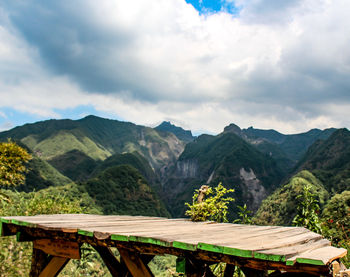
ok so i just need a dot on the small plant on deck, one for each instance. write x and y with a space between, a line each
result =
244 215
210 204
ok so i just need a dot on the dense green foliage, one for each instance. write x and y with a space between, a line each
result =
214 207
336 222
13 159
135 160
302 194
15 258
281 207
308 210
42 175
123 190
74 164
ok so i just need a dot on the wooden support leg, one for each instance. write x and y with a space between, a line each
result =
54 267
45 266
229 270
250 272
135 264
116 268
39 261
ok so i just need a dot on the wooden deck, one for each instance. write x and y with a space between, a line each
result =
260 248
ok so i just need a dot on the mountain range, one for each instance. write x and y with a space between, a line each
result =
128 168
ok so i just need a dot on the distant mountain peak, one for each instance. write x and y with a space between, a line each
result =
167 126
233 128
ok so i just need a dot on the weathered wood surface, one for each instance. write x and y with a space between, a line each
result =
288 245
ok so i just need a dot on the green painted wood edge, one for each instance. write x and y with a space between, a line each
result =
149 240
290 262
22 223
210 247
184 246
269 257
1 228
225 250
85 233
238 252
4 220
304 261
309 261
181 265
119 237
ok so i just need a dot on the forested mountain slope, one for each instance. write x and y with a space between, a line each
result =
225 158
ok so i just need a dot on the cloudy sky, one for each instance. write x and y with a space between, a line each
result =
200 64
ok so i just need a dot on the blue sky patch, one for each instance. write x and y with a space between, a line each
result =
212 6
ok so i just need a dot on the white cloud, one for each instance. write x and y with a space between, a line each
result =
146 61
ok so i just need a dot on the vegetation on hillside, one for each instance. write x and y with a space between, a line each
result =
123 190
280 207
74 164
336 222
15 258
303 201
329 160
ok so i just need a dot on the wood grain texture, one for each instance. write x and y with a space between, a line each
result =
59 248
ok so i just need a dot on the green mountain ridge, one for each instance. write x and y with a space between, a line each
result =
184 135
287 147
329 160
97 138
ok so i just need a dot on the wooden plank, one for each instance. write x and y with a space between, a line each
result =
293 250
60 248
54 267
107 225
62 218
135 264
320 256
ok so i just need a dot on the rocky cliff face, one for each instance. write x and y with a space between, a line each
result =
187 169
255 191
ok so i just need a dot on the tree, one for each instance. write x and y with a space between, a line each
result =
308 209
209 204
336 222
12 164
